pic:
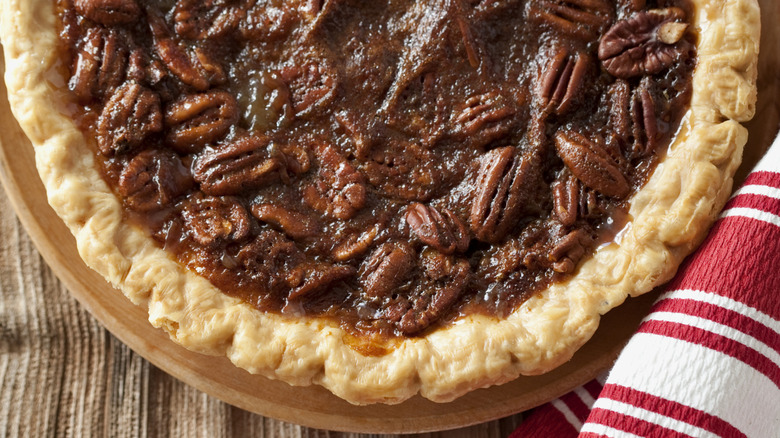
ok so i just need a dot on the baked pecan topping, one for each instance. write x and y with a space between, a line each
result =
194 67
340 190
386 269
501 193
449 277
212 221
272 257
268 21
239 166
266 102
419 109
199 119
568 251
294 224
312 84
590 162
441 230
318 277
645 43
355 244
209 19
484 118
109 12
645 127
128 118
100 65
561 80
153 180
580 18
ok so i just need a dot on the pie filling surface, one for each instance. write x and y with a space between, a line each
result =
390 164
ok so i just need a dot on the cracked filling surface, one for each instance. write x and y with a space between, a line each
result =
391 164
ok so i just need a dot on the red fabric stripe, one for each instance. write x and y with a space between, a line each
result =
752 249
715 342
577 406
631 424
763 178
545 421
671 409
723 316
758 202
594 388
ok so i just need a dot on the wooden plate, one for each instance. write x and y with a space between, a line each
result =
308 406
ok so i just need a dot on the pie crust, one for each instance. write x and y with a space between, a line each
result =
669 218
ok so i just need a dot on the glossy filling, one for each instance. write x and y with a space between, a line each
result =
391 164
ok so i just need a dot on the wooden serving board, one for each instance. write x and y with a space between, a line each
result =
315 406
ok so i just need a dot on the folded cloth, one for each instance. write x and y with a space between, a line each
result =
706 361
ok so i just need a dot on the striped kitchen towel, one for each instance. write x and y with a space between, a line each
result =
706 361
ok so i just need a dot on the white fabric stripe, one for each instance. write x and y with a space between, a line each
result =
567 413
726 303
585 396
719 329
611 432
771 158
701 378
752 213
652 417
602 378
767 191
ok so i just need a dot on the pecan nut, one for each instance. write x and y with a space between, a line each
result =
590 162
312 85
317 277
109 12
484 119
418 109
194 67
645 121
386 269
99 66
502 188
199 119
401 170
272 257
444 232
210 19
212 221
340 190
268 21
580 18
560 82
568 251
128 118
355 244
294 224
245 164
644 44
572 200
152 180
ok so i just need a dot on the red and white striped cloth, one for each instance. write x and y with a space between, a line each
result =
706 361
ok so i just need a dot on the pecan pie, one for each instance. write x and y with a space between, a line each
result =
384 197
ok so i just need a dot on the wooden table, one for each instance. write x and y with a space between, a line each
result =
63 374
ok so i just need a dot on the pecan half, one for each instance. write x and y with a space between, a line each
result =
580 18
294 224
484 118
445 232
272 257
502 188
571 199
561 80
233 168
386 269
268 21
194 67
128 118
99 66
109 12
418 109
317 277
312 84
212 221
355 244
265 101
619 100
152 180
209 19
645 126
568 251
340 190
196 120
401 170
450 278
590 162
644 44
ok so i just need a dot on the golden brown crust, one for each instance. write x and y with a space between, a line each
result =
670 217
